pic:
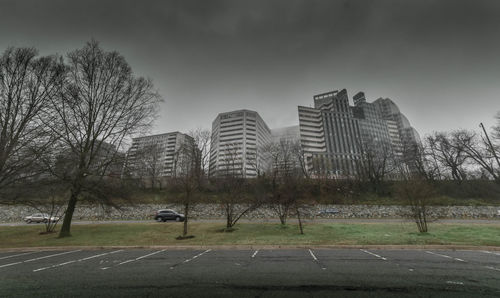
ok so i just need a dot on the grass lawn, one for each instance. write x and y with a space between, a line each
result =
143 234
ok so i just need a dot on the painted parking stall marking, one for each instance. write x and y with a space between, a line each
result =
255 253
75 261
18 255
462 260
136 259
190 259
316 260
492 268
444 256
453 282
490 252
313 256
373 254
41 258
198 255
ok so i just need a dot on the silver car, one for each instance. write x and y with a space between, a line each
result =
40 217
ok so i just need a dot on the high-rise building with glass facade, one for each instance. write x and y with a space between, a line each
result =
330 135
336 138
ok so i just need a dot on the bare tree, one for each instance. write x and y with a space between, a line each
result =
202 140
47 197
286 183
101 104
480 152
417 192
450 153
300 192
231 183
425 161
147 165
27 86
191 171
283 166
378 161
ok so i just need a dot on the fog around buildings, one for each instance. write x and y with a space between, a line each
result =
438 60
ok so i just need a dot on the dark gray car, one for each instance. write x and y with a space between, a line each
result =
168 214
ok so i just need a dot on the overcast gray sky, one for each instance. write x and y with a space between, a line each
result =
438 60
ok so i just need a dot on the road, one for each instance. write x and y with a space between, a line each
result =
249 273
275 220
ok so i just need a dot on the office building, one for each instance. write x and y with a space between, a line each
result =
157 156
238 139
337 138
408 136
330 135
375 134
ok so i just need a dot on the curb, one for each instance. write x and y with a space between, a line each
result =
263 247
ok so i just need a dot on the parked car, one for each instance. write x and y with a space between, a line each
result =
329 211
168 214
40 217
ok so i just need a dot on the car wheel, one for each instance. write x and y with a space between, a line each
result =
177 218
159 219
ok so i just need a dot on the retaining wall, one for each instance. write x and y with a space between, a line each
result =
214 211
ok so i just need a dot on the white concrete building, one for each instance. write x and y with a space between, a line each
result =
156 155
238 138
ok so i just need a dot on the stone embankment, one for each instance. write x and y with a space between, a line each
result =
215 211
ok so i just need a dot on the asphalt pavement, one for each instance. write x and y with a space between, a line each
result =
167 272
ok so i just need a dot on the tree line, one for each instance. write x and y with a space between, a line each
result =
66 121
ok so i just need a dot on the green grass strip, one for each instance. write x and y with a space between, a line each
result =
145 234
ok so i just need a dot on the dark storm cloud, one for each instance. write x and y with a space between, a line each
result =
437 59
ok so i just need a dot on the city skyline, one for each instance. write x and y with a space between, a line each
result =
272 56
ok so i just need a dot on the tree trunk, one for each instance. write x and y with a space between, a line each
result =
282 219
229 216
68 216
300 222
186 210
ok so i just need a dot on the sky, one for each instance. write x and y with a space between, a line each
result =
438 60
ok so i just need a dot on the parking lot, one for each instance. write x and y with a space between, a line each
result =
250 273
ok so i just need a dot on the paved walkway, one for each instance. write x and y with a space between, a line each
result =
292 220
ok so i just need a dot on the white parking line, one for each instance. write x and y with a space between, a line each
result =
316 260
255 253
444 256
373 254
313 256
136 259
490 252
40 258
452 282
23 254
198 255
189 260
492 268
74 261
148 255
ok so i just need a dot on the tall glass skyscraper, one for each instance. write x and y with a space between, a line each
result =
330 135
336 137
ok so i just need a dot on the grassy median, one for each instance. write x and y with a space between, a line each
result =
144 234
